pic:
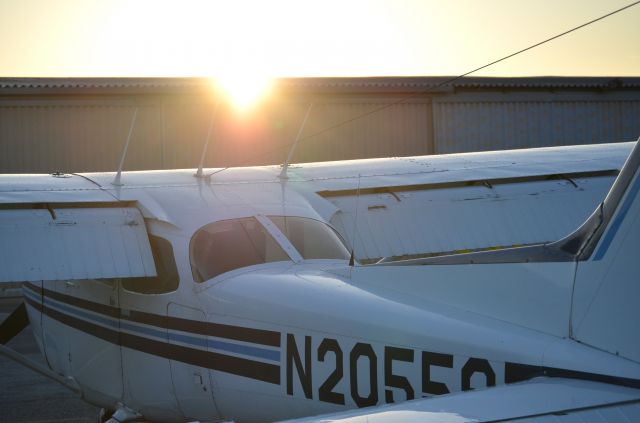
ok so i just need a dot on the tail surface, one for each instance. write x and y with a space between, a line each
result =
605 310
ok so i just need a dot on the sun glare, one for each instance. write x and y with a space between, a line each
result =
243 90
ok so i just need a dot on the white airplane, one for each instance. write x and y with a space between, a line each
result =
174 298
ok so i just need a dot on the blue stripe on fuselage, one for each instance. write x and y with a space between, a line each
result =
247 350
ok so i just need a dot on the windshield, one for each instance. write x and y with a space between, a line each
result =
313 239
230 244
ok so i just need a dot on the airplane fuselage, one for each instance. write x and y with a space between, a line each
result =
282 341
254 313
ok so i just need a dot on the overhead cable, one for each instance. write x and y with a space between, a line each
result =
439 85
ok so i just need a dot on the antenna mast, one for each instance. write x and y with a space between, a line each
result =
285 166
206 143
116 180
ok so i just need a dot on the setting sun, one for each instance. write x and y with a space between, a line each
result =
243 89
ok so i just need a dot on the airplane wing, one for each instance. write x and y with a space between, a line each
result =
64 229
415 207
538 400
58 227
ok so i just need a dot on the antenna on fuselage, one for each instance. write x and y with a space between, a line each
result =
206 143
116 180
352 258
285 166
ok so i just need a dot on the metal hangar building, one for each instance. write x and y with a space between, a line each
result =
81 124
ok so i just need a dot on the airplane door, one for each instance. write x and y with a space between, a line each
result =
191 383
90 309
145 335
50 334
146 371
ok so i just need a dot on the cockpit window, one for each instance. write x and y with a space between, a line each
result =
313 239
230 244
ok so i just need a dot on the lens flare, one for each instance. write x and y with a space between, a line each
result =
243 89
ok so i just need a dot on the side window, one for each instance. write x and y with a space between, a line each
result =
230 244
167 279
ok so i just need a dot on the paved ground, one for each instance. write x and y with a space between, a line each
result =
26 396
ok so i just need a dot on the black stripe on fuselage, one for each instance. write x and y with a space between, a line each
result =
82 325
265 372
514 372
225 363
237 333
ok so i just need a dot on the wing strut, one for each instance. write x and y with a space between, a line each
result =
14 324
285 166
206 142
39 368
117 181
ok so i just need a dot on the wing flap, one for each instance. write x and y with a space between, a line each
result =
74 243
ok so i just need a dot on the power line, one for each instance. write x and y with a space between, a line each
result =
448 81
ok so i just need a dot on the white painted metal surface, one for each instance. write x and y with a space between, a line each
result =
426 220
192 384
301 338
545 398
29 189
153 394
61 244
607 288
332 176
319 306
423 221
432 221
92 360
625 412
524 290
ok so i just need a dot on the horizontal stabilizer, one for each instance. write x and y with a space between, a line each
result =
541 400
73 243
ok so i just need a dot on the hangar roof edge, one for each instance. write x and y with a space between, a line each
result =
315 84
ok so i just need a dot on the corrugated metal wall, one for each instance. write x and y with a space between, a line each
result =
400 130
495 125
74 130
71 138
169 134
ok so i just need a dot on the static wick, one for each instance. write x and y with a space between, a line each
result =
206 143
285 166
116 181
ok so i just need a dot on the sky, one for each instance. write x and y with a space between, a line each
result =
271 38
